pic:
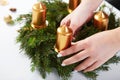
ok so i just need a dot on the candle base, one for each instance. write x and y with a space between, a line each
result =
69 10
38 26
55 48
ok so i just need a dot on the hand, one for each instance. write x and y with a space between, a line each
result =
94 50
73 20
77 18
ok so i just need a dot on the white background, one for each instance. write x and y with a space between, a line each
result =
15 65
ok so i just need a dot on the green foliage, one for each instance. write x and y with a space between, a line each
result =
39 44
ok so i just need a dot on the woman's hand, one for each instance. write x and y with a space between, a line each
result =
94 50
81 14
73 20
76 19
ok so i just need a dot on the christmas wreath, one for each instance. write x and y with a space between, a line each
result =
38 44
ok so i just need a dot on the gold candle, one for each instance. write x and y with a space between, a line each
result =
73 4
64 38
101 20
38 15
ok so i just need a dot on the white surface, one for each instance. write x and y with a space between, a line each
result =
15 65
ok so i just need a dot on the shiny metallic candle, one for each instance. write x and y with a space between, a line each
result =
64 38
101 20
38 15
73 4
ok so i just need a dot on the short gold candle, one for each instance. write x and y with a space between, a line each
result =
101 20
38 15
64 38
73 4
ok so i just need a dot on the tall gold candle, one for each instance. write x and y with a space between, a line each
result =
64 38
73 4
101 20
38 15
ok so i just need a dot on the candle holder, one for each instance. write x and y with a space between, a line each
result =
38 16
64 38
73 4
101 20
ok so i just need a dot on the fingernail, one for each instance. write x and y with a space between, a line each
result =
85 71
73 38
63 64
94 11
75 71
59 55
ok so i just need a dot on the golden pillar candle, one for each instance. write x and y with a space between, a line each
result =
73 4
64 38
38 15
101 20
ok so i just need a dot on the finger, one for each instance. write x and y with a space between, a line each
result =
62 22
73 38
65 21
72 49
73 27
76 58
88 62
94 66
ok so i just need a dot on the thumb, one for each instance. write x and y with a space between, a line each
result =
75 28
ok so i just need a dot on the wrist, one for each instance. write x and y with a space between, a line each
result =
116 37
116 32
